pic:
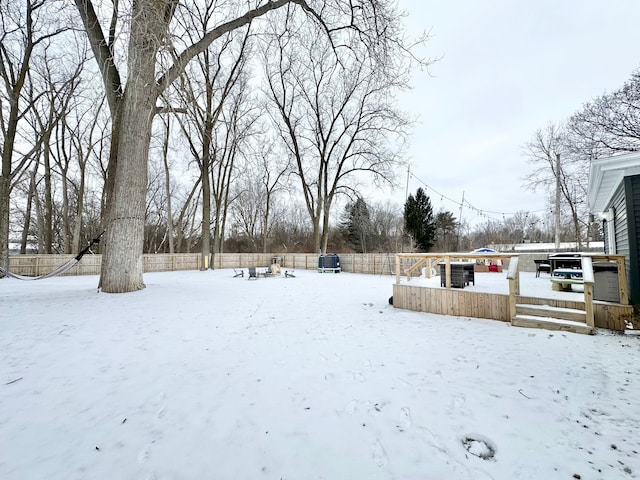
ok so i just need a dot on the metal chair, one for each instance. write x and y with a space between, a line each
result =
542 266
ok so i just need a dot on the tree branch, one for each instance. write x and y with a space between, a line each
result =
200 46
101 50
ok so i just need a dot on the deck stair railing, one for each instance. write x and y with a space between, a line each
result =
426 262
553 318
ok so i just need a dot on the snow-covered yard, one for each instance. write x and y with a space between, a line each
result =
206 376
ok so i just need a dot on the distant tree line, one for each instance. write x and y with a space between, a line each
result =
265 139
179 126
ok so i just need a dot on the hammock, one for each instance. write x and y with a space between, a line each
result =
61 269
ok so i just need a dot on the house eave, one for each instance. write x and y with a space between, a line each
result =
605 177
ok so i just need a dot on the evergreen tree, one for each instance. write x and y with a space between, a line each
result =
446 227
356 226
419 221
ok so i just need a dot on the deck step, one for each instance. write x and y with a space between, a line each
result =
571 314
550 323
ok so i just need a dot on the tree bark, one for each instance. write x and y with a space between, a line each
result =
4 222
206 197
122 261
27 214
167 184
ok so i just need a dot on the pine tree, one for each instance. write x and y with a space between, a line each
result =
419 221
446 227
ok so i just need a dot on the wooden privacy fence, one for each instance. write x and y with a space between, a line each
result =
36 265
369 263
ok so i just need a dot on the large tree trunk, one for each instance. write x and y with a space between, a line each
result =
206 214
206 196
325 230
48 196
122 261
4 222
27 215
122 266
167 185
316 235
75 241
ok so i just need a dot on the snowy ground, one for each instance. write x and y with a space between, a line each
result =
494 282
206 376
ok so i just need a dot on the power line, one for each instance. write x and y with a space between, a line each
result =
465 202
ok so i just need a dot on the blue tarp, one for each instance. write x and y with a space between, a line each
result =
484 250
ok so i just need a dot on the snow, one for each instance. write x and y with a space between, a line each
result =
494 282
202 375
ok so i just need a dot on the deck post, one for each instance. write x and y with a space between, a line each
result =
447 271
588 279
513 275
622 280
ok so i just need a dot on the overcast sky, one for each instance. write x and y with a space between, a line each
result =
508 67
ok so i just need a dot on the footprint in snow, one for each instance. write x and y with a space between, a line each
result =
405 418
459 401
351 407
378 453
163 405
479 446
143 456
358 377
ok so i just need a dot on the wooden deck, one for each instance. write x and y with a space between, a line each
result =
504 307
495 306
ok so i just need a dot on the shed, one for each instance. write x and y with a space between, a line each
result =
614 195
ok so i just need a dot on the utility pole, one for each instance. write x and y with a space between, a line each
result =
406 196
557 209
459 224
406 191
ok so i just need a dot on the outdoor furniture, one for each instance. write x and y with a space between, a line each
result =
238 273
470 269
253 273
565 260
542 266
563 278
461 274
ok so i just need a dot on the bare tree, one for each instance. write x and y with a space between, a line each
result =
609 124
273 170
167 184
335 115
61 76
25 29
151 45
388 225
86 137
556 167
258 188
204 89
247 212
186 221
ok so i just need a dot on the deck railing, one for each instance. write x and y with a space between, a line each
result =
513 275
